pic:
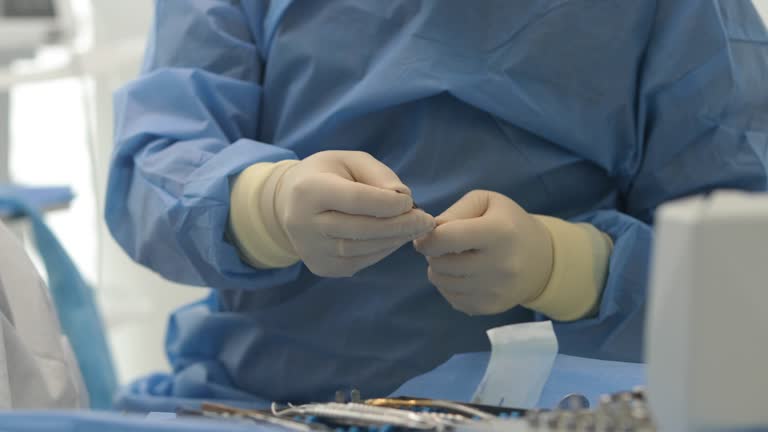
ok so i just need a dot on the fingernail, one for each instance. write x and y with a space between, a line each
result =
432 223
410 206
403 189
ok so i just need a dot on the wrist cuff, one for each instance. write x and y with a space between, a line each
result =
251 234
581 255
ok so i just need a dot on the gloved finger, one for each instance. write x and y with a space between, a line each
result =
410 225
336 193
345 248
366 169
456 237
472 205
464 264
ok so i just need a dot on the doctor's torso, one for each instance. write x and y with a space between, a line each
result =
535 102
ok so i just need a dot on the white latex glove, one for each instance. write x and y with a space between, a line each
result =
340 211
488 255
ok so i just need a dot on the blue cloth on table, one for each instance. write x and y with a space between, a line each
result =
75 305
455 379
589 377
154 393
100 422
458 378
163 415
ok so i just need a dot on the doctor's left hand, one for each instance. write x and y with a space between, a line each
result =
487 254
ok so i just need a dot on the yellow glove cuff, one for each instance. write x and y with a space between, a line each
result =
581 254
248 225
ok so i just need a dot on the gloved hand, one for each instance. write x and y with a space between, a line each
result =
487 254
337 211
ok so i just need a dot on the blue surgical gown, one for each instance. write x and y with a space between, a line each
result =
588 110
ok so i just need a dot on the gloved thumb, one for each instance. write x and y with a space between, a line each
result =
472 205
366 169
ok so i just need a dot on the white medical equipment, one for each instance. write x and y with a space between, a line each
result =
37 367
707 318
25 26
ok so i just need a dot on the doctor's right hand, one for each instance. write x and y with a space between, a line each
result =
337 211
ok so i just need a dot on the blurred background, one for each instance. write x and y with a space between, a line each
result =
60 62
